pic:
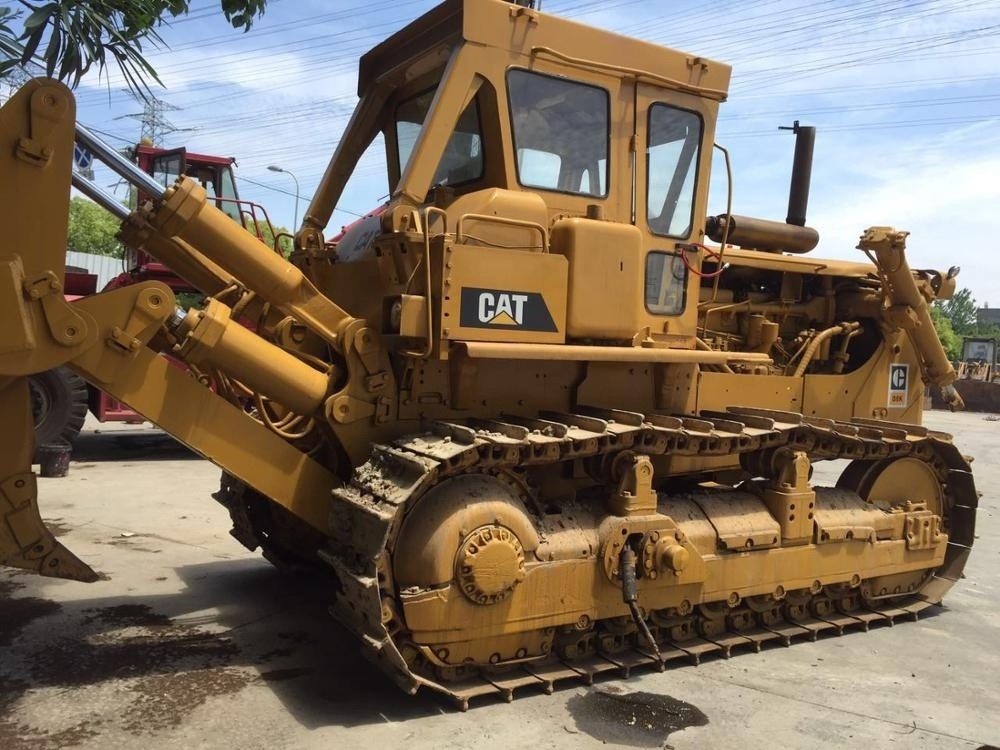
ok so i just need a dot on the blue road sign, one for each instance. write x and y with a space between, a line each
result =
82 157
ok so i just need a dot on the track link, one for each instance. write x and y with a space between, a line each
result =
366 514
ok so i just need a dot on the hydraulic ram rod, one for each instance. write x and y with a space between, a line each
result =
118 163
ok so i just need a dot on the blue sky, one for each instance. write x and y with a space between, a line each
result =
905 95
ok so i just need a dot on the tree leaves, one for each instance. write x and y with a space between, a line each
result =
92 229
961 311
9 48
956 318
77 35
950 340
240 13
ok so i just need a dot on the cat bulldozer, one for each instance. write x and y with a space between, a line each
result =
540 415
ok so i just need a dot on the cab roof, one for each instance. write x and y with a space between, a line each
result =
525 34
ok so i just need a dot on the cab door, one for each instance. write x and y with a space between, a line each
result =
673 143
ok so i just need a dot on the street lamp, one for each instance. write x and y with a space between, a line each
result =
276 168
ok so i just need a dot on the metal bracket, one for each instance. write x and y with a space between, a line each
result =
128 318
367 376
790 498
19 332
147 312
66 327
922 527
49 107
901 317
635 495
344 408
697 69
376 382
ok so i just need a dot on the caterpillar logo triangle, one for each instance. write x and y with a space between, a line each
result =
503 319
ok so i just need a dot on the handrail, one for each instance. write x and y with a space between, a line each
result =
498 350
460 235
425 230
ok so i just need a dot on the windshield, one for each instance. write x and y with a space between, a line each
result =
560 133
462 160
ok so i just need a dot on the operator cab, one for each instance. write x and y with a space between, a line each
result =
513 131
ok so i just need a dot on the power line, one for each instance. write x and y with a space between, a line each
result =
830 47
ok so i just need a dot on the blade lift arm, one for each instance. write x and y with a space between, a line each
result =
115 339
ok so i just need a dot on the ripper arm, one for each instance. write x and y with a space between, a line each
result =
908 309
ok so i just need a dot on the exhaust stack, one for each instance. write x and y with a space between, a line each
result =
772 236
798 190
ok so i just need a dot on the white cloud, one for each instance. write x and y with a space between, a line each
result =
945 197
859 72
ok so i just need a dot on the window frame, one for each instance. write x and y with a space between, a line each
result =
432 92
681 282
605 191
693 164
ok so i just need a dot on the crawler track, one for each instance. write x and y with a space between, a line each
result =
366 515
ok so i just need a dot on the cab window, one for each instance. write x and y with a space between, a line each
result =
560 133
462 160
228 191
666 282
167 168
674 141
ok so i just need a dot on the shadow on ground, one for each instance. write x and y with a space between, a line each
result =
237 624
149 444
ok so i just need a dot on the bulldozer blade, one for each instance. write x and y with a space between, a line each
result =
25 541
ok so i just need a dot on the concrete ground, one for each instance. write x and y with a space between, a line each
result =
192 642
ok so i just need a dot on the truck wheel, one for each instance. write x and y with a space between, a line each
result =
58 405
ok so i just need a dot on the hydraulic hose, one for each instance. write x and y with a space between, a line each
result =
630 595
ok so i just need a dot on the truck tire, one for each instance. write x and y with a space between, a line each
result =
58 405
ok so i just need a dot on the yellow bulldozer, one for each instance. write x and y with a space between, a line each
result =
539 416
978 374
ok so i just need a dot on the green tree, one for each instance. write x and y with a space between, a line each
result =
92 229
69 37
950 340
266 234
957 318
960 310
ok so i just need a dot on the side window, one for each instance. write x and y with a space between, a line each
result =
361 183
228 193
671 169
206 177
666 283
223 191
167 168
462 160
228 184
410 117
560 133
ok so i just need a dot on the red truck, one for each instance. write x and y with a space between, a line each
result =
60 398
